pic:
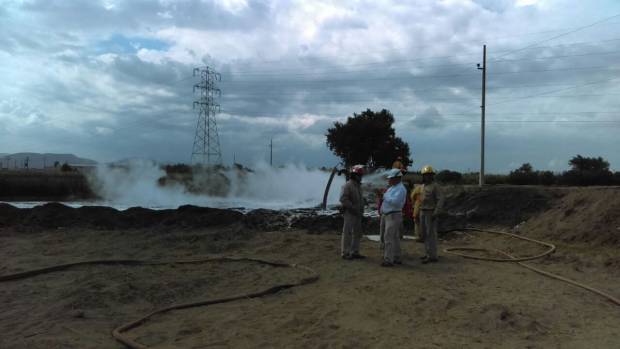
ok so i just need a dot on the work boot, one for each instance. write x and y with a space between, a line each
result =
357 256
387 264
399 262
429 260
424 257
347 257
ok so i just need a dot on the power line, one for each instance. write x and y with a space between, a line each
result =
558 90
400 77
393 62
404 69
561 35
379 89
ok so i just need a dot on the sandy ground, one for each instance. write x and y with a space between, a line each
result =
456 303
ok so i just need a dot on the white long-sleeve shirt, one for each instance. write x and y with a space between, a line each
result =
394 199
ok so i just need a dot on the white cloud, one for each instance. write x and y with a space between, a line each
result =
527 2
290 68
234 6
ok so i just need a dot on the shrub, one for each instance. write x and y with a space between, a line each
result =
66 168
495 179
447 176
178 168
546 178
523 175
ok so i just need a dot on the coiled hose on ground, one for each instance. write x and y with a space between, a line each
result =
117 333
519 260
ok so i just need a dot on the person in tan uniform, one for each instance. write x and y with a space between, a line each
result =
430 206
352 203
416 199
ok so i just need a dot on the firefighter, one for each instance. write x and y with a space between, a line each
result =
416 199
352 205
430 206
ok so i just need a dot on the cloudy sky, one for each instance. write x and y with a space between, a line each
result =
112 79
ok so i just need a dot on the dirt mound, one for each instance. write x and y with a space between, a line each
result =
506 206
495 205
55 215
317 224
267 220
589 215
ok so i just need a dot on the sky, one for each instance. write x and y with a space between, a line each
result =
112 79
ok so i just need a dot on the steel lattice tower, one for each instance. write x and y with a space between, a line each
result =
206 149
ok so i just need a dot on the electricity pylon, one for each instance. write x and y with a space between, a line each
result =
206 150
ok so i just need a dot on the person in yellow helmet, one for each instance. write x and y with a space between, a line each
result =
416 200
430 205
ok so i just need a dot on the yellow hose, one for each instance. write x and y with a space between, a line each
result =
519 260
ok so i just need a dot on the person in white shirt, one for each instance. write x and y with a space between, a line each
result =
391 212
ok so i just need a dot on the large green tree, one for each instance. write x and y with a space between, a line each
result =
367 138
588 171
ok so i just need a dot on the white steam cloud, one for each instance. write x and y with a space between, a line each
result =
137 184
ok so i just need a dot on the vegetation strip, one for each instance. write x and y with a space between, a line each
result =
117 333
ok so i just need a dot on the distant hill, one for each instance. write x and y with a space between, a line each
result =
38 160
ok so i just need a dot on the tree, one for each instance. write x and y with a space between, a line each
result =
616 177
523 175
546 178
588 171
367 137
580 163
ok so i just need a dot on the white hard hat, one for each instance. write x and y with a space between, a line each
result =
394 173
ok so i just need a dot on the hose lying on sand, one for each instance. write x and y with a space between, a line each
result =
117 333
519 260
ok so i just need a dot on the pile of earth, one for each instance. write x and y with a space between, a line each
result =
497 205
55 215
464 206
506 206
590 215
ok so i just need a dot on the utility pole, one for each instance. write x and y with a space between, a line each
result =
271 153
482 111
206 148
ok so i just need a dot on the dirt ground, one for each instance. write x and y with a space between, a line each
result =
456 303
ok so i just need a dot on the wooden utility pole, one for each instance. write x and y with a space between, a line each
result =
482 111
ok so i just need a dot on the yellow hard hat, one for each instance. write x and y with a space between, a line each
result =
428 169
